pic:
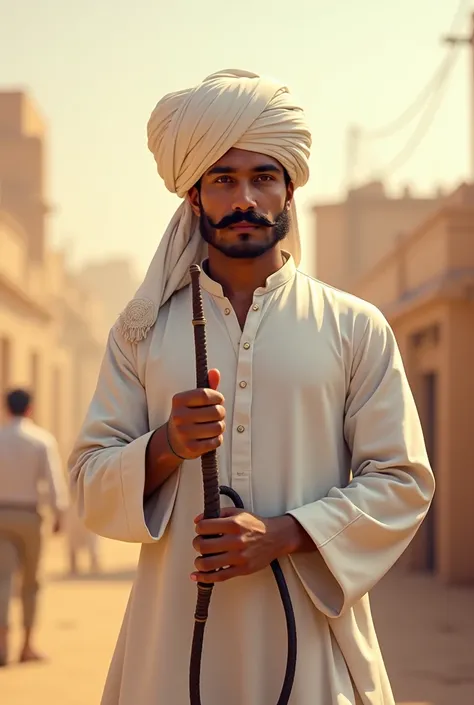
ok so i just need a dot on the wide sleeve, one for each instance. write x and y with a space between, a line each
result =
107 464
362 529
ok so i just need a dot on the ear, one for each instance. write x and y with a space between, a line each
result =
195 200
290 190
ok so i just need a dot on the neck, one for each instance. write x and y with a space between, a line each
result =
240 277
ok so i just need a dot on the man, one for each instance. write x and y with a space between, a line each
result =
29 469
308 406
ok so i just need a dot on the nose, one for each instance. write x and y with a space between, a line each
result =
243 198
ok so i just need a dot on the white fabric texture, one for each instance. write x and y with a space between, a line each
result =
190 130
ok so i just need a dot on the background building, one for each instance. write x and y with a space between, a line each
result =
353 235
113 282
415 261
51 327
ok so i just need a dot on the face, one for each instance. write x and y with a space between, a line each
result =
243 204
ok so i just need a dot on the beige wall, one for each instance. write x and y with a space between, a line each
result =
425 287
19 115
49 350
22 167
354 235
456 561
331 252
51 328
450 358
113 282
13 251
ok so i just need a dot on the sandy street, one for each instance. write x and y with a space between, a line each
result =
79 623
426 631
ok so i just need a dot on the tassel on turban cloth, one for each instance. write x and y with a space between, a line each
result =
188 132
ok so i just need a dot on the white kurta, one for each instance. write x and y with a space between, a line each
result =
314 386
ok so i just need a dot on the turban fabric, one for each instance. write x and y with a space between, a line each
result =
188 131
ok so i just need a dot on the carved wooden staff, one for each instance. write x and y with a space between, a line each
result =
212 492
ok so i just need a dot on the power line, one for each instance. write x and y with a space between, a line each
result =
425 122
433 85
409 114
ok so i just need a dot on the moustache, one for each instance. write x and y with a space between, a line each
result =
249 217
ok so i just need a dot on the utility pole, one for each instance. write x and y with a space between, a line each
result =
352 156
467 40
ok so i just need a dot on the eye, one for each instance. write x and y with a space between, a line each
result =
224 179
265 177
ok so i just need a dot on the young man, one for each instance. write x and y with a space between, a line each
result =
308 406
30 470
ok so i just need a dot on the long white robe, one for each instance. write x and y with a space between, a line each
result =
314 387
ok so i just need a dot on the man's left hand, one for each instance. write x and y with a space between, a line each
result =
246 544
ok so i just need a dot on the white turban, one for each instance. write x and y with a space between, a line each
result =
189 131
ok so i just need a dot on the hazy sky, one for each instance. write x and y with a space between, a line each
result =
97 68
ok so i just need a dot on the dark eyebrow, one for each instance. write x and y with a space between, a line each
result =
268 167
232 170
221 170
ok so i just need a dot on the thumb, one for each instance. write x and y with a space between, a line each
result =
214 378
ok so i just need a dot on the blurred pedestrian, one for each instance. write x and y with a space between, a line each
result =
80 540
30 472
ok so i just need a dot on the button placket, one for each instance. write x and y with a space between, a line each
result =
231 323
242 427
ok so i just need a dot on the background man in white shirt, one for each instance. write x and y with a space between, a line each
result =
30 470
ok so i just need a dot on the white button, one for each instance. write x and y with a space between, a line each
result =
255 307
246 346
243 384
240 429
227 311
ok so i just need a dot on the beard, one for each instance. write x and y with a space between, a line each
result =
247 247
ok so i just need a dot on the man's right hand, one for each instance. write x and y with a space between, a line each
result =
196 424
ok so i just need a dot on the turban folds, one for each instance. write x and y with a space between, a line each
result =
188 131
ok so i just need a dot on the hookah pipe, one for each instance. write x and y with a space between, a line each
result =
212 493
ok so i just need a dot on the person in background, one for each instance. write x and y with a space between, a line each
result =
30 472
80 540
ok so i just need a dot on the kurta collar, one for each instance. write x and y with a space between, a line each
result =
274 281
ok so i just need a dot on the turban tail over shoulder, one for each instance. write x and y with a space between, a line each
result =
190 130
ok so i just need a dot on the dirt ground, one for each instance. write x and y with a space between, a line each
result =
78 627
426 632
427 637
